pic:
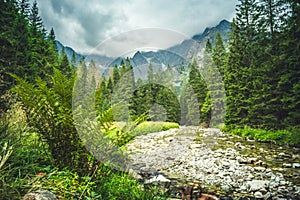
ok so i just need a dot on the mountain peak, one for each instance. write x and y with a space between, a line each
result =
223 26
224 21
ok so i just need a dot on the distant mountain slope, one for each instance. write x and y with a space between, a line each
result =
173 56
69 51
183 52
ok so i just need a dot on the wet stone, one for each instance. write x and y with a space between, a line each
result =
296 165
286 165
186 155
258 195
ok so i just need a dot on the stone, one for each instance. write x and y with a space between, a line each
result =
135 175
243 188
256 185
258 195
241 160
282 183
225 188
252 160
286 165
260 169
239 145
284 155
40 195
158 178
296 165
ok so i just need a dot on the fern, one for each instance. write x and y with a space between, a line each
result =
49 110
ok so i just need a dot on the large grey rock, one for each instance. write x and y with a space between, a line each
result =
40 195
256 185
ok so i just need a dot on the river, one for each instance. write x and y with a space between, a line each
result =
229 167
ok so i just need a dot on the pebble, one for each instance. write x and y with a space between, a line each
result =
241 160
296 165
258 195
225 168
286 165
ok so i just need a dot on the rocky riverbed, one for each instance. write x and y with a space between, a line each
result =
228 167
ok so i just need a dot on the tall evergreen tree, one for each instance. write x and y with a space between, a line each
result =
116 75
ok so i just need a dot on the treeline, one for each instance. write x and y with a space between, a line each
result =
26 49
154 97
261 68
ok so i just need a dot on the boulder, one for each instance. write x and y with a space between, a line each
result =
40 195
256 185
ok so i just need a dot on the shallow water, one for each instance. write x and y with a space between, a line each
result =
216 159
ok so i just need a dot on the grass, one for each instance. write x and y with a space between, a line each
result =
121 138
289 137
151 127
28 166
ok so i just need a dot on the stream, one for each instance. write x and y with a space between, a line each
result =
230 167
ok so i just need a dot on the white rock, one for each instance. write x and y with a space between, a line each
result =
296 165
158 178
256 185
286 165
258 195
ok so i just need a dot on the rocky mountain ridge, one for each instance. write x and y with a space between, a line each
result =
173 56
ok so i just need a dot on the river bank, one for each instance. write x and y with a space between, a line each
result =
227 166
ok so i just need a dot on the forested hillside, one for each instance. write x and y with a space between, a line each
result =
261 68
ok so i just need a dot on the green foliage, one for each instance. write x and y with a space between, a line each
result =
28 166
261 74
122 135
291 137
150 127
121 186
25 50
147 98
24 156
49 111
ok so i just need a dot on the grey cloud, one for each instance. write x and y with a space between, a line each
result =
84 24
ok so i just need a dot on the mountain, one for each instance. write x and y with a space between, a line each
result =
69 51
198 41
184 52
173 56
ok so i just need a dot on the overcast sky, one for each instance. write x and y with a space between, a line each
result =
83 25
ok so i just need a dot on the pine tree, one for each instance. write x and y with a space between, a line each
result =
24 7
35 20
289 83
219 54
116 75
198 85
